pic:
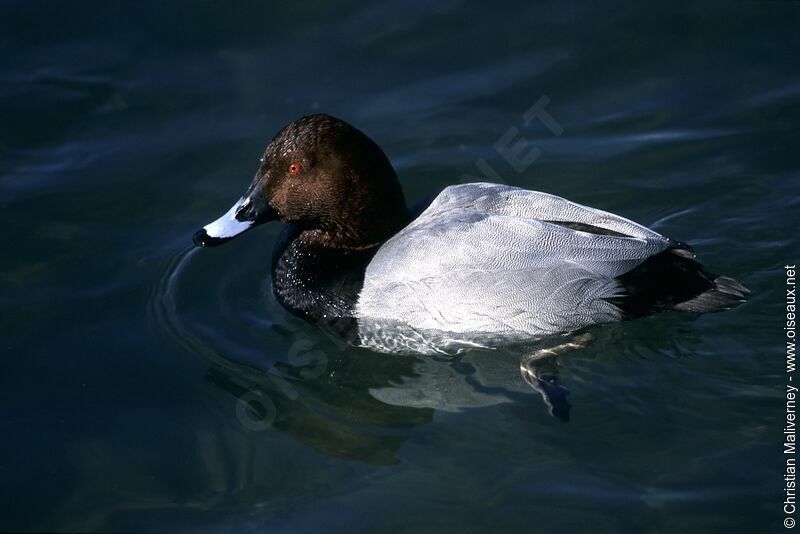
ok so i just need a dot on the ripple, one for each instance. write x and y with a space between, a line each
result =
163 308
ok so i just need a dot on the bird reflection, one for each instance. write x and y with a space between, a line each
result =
538 359
347 402
331 411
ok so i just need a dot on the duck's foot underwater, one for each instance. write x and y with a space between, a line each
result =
540 370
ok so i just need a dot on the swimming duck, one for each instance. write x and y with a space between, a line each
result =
481 265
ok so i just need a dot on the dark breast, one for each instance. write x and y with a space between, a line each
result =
317 283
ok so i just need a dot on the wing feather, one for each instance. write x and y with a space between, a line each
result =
483 258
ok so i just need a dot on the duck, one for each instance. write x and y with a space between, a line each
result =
480 264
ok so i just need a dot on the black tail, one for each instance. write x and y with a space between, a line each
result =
673 279
725 294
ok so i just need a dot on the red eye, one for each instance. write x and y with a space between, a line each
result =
295 168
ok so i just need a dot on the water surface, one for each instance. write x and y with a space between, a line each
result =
147 386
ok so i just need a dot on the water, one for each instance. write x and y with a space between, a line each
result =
147 386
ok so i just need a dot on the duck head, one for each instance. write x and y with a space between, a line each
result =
322 174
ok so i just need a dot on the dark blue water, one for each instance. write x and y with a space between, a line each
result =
149 387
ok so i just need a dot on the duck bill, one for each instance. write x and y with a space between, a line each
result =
250 211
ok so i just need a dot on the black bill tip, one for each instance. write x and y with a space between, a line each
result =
202 239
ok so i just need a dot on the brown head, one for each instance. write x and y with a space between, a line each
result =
322 174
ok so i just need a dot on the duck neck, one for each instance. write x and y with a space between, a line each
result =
371 228
366 218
